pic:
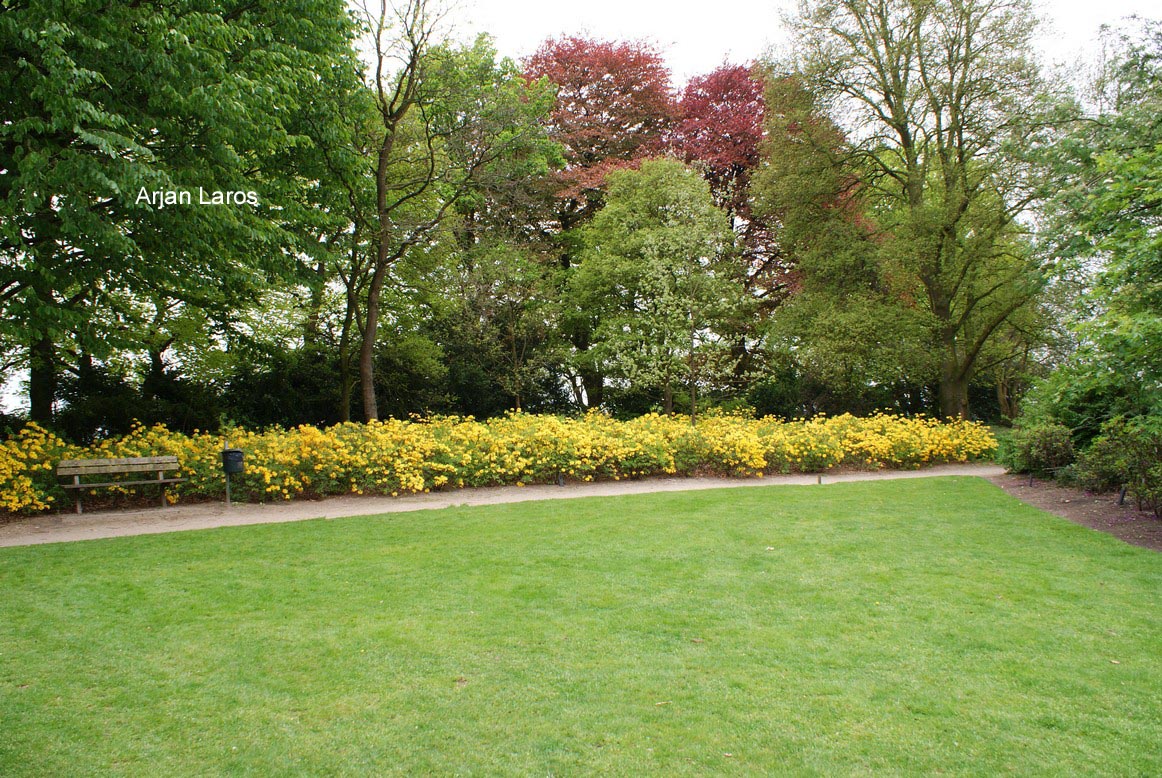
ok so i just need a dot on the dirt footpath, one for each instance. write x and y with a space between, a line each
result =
62 527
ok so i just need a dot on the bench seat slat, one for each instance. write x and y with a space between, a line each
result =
98 466
165 459
125 483
113 469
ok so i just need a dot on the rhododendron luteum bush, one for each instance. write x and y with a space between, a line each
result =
395 457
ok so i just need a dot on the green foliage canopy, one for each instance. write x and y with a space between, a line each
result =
102 101
941 98
652 281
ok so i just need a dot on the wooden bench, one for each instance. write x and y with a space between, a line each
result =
77 468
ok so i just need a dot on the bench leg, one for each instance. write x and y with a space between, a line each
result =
77 482
160 476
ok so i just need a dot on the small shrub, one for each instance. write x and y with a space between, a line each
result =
27 470
1126 455
1038 449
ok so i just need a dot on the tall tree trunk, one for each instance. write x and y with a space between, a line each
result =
157 383
1005 399
576 387
370 333
367 372
693 398
156 369
350 322
313 325
515 360
693 391
693 373
346 384
953 392
346 387
594 383
367 363
742 359
85 368
42 380
953 370
592 379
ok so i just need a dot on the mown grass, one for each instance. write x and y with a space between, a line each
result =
918 626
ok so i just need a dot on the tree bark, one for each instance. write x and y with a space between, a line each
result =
394 104
953 393
42 380
1005 399
594 384
312 327
693 393
693 372
346 384
367 348
367 367
367 377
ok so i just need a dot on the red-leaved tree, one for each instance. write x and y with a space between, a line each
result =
720 131
615 107
720 127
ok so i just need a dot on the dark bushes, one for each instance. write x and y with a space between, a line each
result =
1041 449
1126 455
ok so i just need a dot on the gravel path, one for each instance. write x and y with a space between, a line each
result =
62 527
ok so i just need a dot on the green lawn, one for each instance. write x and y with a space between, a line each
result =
918 626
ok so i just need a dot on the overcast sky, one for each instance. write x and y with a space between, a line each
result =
697 41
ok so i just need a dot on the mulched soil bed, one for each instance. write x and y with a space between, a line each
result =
1096 511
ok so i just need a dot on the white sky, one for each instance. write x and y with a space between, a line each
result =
698 37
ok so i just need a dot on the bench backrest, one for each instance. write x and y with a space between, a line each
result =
124 465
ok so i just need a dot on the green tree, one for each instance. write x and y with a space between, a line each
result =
102 102
492 309
443 115
1105 221
654 281
1124 224
847 327
614 107
939 99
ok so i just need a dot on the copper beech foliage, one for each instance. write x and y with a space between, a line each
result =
720 131
615 105
720 125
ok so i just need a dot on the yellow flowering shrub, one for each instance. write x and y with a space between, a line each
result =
27 464
416 455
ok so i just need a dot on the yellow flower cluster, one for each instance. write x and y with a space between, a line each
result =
396 457
31 452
